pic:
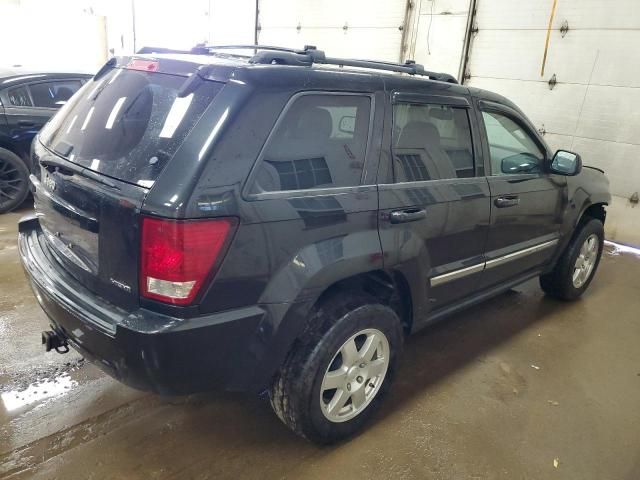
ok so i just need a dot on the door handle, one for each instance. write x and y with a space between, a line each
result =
407 215
26 123
507 201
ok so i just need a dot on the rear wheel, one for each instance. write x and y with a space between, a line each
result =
14 181
336 377
578 264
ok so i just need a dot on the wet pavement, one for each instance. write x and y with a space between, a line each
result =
519 387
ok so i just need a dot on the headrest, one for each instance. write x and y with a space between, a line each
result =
418 135
314 123
64 93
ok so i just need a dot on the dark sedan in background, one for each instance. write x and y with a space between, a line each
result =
27 100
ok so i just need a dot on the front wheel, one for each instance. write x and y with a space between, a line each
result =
335 378
578 264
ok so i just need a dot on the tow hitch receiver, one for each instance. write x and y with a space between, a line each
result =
51 340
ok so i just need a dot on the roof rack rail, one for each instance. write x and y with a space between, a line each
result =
145 50
266 54
255 47
199 49
270 55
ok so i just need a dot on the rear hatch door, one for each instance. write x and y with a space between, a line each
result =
90 226
96 161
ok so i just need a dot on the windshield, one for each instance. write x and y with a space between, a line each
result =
127 124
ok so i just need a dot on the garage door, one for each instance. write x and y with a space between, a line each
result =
171 24
593 107
437 40
355 29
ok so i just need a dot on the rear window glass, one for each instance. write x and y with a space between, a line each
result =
127 124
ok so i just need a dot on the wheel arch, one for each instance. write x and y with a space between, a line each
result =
7 144
593 210
391 288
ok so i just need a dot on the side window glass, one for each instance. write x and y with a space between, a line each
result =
512 149
319 143
53 94
431 142
19 97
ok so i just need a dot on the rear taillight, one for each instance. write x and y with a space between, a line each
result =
177 256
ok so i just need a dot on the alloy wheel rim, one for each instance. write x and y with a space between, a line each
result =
10 182
586 260
354 375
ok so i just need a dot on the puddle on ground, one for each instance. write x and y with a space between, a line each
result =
615 249
37 392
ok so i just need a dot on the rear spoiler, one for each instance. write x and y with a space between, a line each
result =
183 67
111 63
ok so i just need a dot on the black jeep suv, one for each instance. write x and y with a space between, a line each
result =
282 220
27 100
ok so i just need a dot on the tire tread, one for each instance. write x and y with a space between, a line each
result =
559 283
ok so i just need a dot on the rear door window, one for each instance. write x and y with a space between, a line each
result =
431 142
320 142
127 124
53 94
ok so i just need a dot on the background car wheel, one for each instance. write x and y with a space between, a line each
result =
337 375
578 264
14 181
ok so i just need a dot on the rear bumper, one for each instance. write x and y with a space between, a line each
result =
145 349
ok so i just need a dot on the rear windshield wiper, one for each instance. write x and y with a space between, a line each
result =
72 167
62 165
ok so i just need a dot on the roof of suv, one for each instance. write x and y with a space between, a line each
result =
309 56
281 62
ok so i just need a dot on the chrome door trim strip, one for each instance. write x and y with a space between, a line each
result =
463 272
456 274
519 254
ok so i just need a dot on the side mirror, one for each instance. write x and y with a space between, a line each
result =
566 163
347 124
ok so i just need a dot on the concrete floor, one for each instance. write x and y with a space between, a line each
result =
504 390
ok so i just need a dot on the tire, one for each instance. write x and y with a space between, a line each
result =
14 181
296 392
560 282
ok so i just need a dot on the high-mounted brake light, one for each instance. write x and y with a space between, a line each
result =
144 65
177 256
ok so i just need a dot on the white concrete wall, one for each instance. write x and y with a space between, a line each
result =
51 35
